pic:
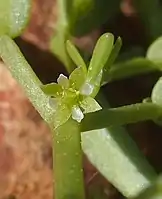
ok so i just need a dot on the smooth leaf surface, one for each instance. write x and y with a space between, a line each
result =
100 55
112 57
75 55
154 52
14 15
118 159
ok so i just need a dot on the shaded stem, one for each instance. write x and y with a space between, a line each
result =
120 116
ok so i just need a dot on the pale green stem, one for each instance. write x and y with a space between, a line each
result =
120 116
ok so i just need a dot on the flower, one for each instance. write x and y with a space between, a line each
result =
71 97
74 97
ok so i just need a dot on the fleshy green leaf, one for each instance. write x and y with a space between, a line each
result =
154 52
75 55
52 89
14 15
97 84
114 54
77 78
90 105
100 55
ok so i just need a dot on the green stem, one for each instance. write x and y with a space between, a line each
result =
120 116
67 162
67 167
23 73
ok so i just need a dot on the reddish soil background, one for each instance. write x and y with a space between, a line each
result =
25 140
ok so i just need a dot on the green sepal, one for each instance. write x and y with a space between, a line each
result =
77 78
89 105
52 89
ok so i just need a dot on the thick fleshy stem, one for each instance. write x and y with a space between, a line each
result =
67 161
66 139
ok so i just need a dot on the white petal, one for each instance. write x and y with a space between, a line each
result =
77 114
86 89
63 81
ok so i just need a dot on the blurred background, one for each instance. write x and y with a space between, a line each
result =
25 140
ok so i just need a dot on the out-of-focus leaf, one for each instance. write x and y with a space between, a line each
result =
150 13
78 17
157 93
94 15
14 15
154 52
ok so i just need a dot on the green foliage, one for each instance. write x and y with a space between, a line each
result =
79 17
14 15
72 108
